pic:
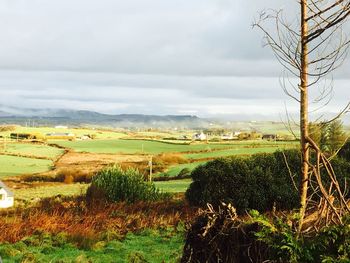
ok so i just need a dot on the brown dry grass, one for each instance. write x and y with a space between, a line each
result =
73 216
170 158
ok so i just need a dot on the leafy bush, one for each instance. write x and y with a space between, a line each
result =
342 171
331 244
219 235
114 184
258 182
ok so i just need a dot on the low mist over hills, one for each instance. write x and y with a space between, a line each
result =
41 117
49 117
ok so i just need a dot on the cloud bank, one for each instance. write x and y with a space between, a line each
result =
153 57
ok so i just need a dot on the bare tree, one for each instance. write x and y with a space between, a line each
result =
309 51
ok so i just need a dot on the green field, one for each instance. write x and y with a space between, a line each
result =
78 132
13 165
174 170
147 147
28 194
230 152
174 186
30 149
147 246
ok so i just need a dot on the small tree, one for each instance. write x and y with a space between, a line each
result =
316 132
336 136
310 50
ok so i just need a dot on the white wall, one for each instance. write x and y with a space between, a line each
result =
6 201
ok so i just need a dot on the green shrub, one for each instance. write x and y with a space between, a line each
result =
345 151
114 184
219 235
331 244
258 182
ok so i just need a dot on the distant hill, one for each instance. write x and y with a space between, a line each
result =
4 114
83 117
50 117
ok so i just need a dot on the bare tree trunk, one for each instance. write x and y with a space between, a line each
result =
315 48
304 129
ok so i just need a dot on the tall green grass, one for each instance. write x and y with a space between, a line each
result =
147 246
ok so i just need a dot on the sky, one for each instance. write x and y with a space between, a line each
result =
196 57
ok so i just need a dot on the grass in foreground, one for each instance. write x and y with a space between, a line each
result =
147 246
13 165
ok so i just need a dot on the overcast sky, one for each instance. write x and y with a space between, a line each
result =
198 57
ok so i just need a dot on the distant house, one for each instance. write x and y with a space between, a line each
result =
6 196
228 136
269 137
199 137
86 137
61 127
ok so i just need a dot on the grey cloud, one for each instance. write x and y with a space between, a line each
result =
136 56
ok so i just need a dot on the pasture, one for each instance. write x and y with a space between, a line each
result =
136 146
32 150
156 147
230 152
174 186
100 134
13 165
28 194
174 170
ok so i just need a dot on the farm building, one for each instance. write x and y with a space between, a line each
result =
86 137
6 196
228 136
269 137
199 137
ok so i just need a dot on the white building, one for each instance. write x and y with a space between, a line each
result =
6 196
199 137
228 136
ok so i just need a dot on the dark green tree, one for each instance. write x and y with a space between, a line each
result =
336 136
